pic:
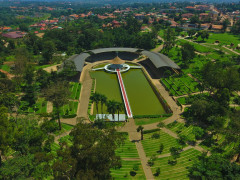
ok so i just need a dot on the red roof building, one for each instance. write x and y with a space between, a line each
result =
14 34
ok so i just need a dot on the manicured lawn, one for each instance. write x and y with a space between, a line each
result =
69 109
178 171
182 100
182 129
223 38
145 121
124 171
65 127
151 146
127 150
75 89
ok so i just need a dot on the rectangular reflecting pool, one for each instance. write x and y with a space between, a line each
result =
143 100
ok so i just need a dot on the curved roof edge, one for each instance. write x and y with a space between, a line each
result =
113 49
159 60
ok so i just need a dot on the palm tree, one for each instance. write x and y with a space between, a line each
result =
119 107
140 128
103 100
112 107
95 97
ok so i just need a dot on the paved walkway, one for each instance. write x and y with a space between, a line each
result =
86 82
135 136
124 94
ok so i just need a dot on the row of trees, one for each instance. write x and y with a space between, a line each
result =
112 106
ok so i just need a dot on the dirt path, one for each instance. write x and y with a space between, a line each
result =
10 76
49 107
160 47
231 50
51 68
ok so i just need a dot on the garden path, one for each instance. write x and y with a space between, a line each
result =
231 50
52 68
134 136
85 92
49 107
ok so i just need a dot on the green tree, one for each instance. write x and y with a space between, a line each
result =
91 156
191 32
175 152
58 93
120 107
161 147
188 52
214 167
103 101
226 22
48 51
140 129
6 132
95 97
169 39
112 107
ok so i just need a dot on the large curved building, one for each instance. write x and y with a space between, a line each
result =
153 61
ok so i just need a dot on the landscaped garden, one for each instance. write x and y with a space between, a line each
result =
152 141
177 171
75 89
127 149
182 85
129 170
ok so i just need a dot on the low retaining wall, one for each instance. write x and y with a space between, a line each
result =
159 96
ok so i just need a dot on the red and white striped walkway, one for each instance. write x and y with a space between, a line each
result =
124 94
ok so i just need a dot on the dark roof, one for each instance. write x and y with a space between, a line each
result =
113 49
79 60
160 60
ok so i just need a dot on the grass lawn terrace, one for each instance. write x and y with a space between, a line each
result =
178 171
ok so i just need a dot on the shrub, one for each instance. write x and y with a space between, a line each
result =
135 167
157 172
151 116
172 162
49 126
133 173
150 131
69 116
150 163
156 136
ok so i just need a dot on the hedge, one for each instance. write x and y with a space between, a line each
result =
151 116
150 131
69 116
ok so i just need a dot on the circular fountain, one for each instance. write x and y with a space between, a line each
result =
117 63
